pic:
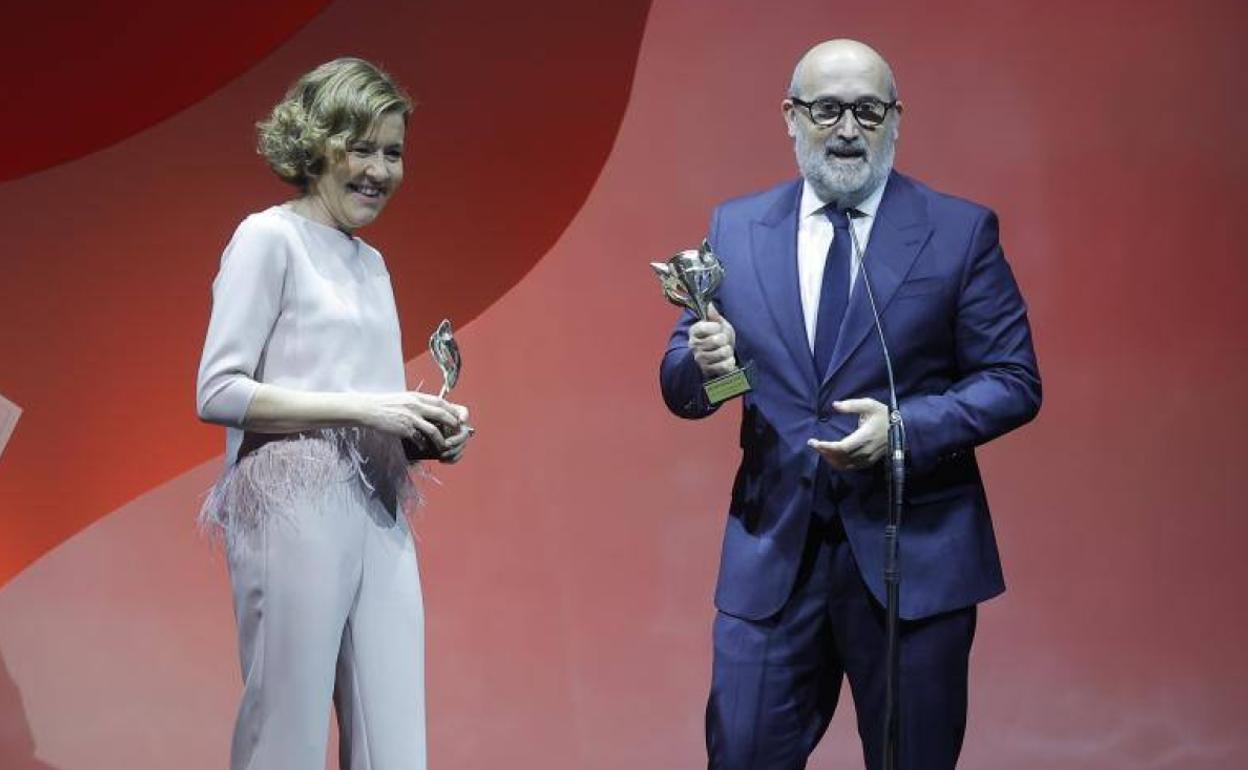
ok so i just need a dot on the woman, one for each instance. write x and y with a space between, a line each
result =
303 364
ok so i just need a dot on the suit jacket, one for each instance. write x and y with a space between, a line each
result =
965 371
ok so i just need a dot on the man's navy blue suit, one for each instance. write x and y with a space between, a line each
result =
965 372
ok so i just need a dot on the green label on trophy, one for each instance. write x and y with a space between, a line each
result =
728 385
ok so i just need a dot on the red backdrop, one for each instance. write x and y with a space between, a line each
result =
568 561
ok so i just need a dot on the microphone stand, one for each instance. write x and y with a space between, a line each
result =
896 474
892 583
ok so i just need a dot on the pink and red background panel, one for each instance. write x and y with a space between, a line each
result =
568 561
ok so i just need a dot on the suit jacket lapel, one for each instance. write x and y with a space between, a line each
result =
774 249
901 228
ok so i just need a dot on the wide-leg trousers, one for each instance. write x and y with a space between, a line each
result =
328 605
775 682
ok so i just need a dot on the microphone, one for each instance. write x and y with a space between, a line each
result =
894 412
896 500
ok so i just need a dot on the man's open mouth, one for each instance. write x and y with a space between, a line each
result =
847 153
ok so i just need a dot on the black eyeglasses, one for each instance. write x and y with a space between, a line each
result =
869 113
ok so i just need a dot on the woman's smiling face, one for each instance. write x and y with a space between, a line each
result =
354 189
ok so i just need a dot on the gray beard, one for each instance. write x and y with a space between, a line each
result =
843 186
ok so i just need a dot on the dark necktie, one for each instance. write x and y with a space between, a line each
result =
834 293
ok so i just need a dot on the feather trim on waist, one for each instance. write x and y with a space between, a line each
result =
276 471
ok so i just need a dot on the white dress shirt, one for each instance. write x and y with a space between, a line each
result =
814 238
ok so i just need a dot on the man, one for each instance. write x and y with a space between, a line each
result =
800 586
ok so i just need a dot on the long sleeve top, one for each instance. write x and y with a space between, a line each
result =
300 305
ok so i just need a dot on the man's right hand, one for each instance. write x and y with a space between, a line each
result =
712 342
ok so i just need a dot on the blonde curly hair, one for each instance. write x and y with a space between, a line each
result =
322 113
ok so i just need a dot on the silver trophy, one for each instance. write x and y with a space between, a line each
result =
690 279
446 355
445 352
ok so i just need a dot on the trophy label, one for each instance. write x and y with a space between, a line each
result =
728 386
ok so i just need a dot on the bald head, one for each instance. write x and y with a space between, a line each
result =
837 60
845 159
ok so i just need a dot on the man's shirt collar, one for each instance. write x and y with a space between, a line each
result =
811 202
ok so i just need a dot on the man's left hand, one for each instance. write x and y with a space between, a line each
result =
863 448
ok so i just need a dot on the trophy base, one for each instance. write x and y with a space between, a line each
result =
415 451
728 385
